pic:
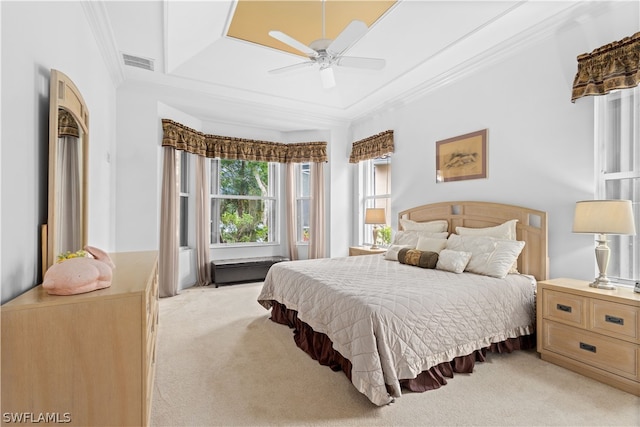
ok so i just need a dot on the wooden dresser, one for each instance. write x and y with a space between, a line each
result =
85 359
594 332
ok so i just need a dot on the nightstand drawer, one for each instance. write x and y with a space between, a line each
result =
618 320
609 354
565 308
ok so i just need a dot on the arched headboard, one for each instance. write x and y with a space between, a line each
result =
530 228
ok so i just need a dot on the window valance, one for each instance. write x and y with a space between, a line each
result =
184 138
67 125
372 147
612 66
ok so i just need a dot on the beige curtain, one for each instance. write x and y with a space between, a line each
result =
317 244
290 201
610 67
374 146
169 212
203 223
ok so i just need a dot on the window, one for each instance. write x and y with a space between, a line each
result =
375 176
243 202
303 200
617 117
183 162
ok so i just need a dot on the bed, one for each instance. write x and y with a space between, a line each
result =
391 325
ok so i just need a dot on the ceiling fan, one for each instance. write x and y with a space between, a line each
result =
327 53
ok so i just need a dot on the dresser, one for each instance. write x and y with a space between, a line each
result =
594 332
85 359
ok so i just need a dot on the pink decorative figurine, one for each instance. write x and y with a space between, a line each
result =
79 275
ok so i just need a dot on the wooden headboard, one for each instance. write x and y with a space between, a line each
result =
530 228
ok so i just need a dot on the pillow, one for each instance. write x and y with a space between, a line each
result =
411 237
392 252
454 261
430 244
418 258
489 256
506 230
437 226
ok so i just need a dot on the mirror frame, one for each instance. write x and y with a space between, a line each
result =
63 94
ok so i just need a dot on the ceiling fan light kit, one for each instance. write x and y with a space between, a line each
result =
327 53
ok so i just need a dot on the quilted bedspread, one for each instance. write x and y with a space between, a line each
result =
393 321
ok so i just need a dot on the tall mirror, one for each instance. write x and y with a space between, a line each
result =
66 229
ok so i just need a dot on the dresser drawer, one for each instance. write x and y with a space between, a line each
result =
619 320
565 308
609 354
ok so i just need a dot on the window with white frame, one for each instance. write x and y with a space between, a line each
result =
303 200
617 117
375 177
184 198
243 202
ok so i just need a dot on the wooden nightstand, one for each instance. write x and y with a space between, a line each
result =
591 331
365 250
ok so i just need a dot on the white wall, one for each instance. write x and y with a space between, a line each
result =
540 145
34 40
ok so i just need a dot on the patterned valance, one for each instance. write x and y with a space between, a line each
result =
612 66
372 147
223 147
67 125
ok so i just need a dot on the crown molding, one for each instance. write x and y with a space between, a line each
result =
98 20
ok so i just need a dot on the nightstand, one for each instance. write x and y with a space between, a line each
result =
365 250
594 332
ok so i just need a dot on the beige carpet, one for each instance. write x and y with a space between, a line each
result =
221 361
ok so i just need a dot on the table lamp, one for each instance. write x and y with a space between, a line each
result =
375 216
603 217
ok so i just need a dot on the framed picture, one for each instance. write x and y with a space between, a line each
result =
462 157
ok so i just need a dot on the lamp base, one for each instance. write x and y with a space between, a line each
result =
602 283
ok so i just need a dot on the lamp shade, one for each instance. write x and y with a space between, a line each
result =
604 217
374 216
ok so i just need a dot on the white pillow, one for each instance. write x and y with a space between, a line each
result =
506 230
454 261
430 244
392 252
436 226
411 237
489 256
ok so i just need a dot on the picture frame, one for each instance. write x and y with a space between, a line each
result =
462 157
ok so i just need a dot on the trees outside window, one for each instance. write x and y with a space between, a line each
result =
243 202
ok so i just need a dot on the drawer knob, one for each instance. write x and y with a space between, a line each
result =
565 308
588 347
613 319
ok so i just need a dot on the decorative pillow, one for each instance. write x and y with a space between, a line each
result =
392 252
506 230
411 237
430 244
489 256
418 258
436 226
454 261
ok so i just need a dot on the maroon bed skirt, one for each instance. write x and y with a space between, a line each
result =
319 347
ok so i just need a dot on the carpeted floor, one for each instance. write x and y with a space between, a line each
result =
221 361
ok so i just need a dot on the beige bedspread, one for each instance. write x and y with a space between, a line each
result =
393 321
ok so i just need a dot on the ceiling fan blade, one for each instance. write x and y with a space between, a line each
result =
357 62
290 41
290 67
347 37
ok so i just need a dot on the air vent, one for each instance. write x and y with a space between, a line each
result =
136 61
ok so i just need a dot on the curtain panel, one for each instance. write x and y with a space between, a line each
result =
372 147
610 67
181 137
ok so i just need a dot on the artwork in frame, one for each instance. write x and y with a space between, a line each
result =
462 157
